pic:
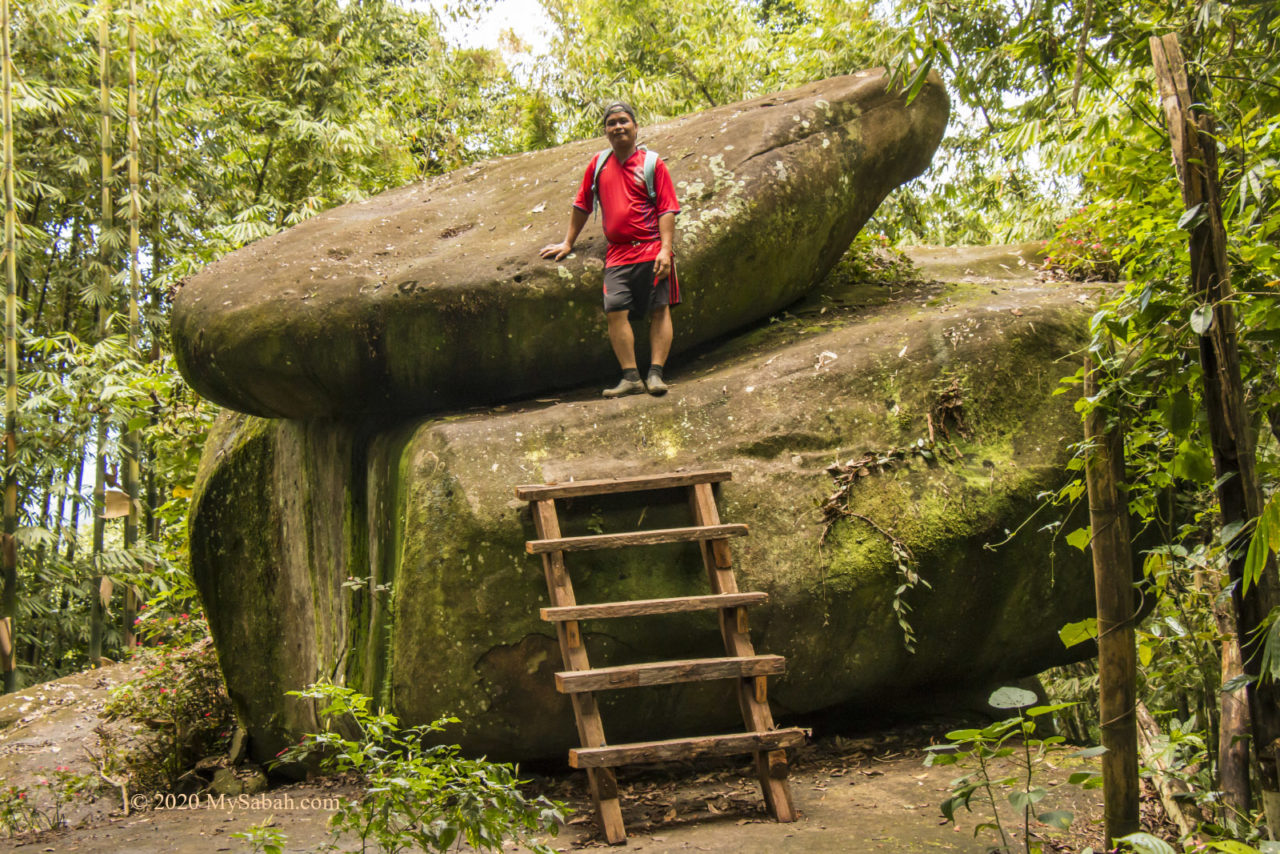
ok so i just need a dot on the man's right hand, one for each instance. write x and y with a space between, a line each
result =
556 251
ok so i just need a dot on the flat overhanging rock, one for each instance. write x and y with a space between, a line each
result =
432 296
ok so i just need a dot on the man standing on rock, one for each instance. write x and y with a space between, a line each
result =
634 191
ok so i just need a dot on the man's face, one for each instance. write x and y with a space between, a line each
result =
620 130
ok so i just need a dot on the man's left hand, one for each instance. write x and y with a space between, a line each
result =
662 264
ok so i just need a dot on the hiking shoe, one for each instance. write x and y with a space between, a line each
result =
625 387
655 385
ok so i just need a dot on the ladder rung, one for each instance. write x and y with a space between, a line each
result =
606 486
684 748
641 607
635 538
667 672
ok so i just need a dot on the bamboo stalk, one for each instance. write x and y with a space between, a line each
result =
132 443
101 585
9 602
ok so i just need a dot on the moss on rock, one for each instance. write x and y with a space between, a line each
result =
390 555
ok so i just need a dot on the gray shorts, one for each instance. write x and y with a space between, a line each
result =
631 288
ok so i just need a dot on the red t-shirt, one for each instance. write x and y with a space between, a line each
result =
630 219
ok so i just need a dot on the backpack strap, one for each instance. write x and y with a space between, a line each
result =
650 169
601 159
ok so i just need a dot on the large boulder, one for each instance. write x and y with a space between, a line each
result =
390 556
432 296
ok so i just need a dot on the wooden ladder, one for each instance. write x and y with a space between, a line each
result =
579 680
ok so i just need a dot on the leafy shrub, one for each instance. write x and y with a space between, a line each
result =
262 838
418 796
1012 739
181 698
871 259
24 809
1082 247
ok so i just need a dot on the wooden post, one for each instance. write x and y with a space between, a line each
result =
1113 584
1239 498
602 781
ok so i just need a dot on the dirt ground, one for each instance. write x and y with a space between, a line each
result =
868 792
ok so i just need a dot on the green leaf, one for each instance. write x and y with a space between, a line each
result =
1235 683
1231 846
1271 647
1145 843
1089 752
1022 800
964 734
1202 319
1060 819
1079 632
1192 217
1010 697
1079 538
1192 463
1179 413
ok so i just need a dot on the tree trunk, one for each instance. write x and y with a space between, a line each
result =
1239 498
1233 728
1113 582
9 545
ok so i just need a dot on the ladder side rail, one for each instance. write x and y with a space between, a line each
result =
602 782
771 766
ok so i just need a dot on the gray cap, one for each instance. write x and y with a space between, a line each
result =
618 107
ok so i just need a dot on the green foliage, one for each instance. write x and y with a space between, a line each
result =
262 838
254 114
1012 739
428 797
871 259
1145 843
181 700
27 809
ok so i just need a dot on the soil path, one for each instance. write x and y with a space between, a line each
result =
867 793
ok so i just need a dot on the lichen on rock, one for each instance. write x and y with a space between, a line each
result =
390 555
432 296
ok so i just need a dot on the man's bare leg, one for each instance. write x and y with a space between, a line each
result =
622 339
624 349
660 334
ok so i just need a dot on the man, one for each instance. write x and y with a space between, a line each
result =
639 275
